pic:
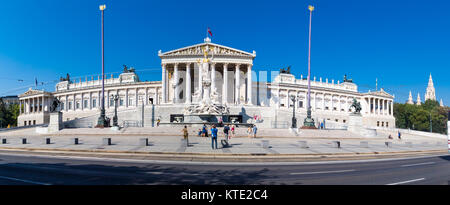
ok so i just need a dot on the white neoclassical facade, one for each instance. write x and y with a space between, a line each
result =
248 94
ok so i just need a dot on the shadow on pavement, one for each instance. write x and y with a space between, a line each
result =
94 174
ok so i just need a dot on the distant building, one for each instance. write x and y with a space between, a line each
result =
430 94
9 100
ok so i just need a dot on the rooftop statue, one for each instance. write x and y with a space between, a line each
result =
65 79
287 70
126 70
347 80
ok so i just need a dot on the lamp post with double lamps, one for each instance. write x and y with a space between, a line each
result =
101 120
294 120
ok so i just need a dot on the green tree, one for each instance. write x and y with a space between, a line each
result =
418 117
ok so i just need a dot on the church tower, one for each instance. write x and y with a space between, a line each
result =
430 94
410 100
442 103
418 99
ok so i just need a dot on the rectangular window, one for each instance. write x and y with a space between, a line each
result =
111 102
24 123
378 123
130 101
300 104
382 124
34 122
77 105
121 102
387 124
62 106
94 103
70 105
85 103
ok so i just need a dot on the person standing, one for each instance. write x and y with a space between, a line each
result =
232 131
186 135
399 135
213 136
249 131
254 131
225 132
204 131
157 122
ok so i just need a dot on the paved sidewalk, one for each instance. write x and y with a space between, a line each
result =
318 142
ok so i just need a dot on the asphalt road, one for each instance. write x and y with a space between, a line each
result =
45 170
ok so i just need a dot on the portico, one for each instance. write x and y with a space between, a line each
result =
230 69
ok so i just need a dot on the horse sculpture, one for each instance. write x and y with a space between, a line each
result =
357 106
55 105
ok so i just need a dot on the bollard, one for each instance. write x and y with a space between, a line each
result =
388 144
336 144
408 144
106 141
24 140
75 141
303 144
47 141
4 141
364 144
143 142
265 143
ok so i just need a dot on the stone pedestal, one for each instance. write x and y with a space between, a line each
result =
355 125
56 122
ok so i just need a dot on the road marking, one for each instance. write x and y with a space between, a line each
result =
404 182
22 180
410 165
323 172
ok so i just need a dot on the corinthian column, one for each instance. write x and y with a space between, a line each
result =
164 83
213 77
249 84
225 84
188 84
175 81
237 93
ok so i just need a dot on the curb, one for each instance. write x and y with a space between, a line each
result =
205 156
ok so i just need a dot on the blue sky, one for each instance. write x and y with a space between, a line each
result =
399 42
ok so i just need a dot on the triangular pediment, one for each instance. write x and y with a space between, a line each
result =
30 92
381 93
197 50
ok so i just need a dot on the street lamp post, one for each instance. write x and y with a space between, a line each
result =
101 120
309 122
115 118
294 120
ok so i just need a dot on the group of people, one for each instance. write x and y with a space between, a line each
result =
398 134
227 131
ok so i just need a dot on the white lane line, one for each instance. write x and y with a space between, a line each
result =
323 172
410 165
404 182
23 180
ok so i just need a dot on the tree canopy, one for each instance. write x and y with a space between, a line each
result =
417 117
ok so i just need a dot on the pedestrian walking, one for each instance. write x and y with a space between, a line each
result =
399 135
226 129
157 122
186 135
213 136
254 131
390 137
199 132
